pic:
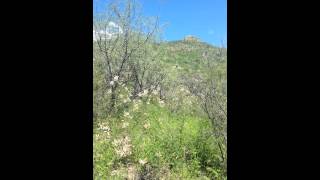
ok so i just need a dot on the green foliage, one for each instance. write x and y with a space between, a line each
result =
169 100
179 144
174 140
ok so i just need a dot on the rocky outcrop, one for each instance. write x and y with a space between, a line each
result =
191 38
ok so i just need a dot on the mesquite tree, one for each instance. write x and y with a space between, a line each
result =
119 37
210 91
147 69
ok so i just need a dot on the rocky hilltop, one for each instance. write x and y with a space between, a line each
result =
191 38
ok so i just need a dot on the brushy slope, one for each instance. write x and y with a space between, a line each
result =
154 139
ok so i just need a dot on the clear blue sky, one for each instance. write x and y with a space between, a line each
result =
206 19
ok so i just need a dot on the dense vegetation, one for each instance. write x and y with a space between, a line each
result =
160 111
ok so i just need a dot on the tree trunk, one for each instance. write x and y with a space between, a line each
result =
113 99
135 90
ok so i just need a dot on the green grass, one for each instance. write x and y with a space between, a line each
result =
174 146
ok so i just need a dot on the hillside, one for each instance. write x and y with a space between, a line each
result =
168 138
185 57
159 108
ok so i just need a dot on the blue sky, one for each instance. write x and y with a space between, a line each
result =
206 19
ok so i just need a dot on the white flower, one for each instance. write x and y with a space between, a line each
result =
158 154
111 83
125 124
114 172
145 91
122 146
155 92
127 139
161 102
143 161
126 114
126 100
146 125
116 78
104 127
116 142
135 106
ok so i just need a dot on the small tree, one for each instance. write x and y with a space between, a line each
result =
119 37
210 91
147 70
